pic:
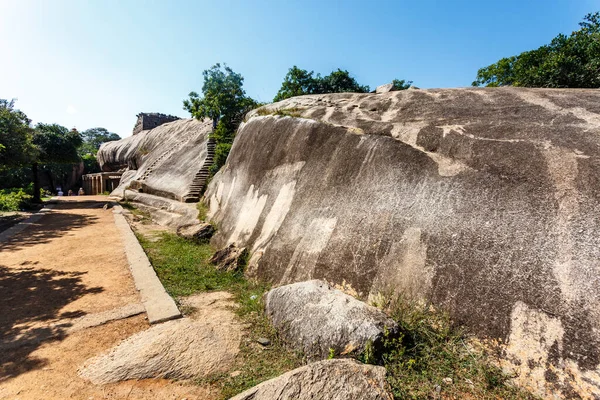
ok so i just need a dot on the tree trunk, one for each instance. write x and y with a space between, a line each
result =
36 183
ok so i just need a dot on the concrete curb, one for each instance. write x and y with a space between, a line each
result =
18 228
159 305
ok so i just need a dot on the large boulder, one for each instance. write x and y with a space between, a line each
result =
324 380
316 319
166 159
483 201
198 232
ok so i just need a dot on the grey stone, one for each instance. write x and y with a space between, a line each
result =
481 201
341 379
230 258
180 349
314 318
388 87
196 232
264 341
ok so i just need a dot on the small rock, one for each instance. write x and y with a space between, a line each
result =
231 258
107 206
447 381
264 341
196 232
388 87
253 297
235 373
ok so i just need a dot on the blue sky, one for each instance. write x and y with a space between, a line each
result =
98 63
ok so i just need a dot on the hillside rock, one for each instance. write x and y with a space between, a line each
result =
483 201
166 159
324 380
314 318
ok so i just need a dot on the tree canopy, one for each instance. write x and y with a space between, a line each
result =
299 82
16 147
224 101
56 144
93 138
567 62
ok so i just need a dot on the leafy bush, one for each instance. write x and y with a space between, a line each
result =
221 152
14 199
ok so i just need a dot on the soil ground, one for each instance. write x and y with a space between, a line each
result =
69 264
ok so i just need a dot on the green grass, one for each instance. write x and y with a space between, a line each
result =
429 350
184 269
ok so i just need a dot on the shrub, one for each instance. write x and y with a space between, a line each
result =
14 199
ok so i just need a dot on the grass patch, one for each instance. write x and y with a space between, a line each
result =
184 269
433 359
202 210
143 216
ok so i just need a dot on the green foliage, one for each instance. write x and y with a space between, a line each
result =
93 138
15 136
14 199
224 101
567 62
299 82
56 144
401 84
428 350
331 354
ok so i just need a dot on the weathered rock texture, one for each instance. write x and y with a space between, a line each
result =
204 344
196 232
147 121
484 201
166 159
314 318
230 258
324 380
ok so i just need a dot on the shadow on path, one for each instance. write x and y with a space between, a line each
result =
30 300
53 225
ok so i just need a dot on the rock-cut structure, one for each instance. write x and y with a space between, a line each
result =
484 202
170 160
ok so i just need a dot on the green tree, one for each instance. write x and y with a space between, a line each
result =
16 147
401 84
566 62
224 101
54 144
93 138
298 82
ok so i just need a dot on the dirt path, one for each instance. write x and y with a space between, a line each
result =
68 266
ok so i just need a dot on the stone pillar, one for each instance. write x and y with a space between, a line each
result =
102 184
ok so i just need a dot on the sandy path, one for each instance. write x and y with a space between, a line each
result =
69 264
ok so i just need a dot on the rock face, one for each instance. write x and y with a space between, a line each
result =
165 161
314 318
485 202
324 380
180 349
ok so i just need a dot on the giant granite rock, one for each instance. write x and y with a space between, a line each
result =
167 161
341 379
316 318
485 202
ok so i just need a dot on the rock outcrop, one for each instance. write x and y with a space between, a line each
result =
324 380
485 202
315 319
166 161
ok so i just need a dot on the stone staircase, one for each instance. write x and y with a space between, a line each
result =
199 182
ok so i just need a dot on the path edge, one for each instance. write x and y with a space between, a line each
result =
160 307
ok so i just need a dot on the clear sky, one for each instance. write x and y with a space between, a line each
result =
88 63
